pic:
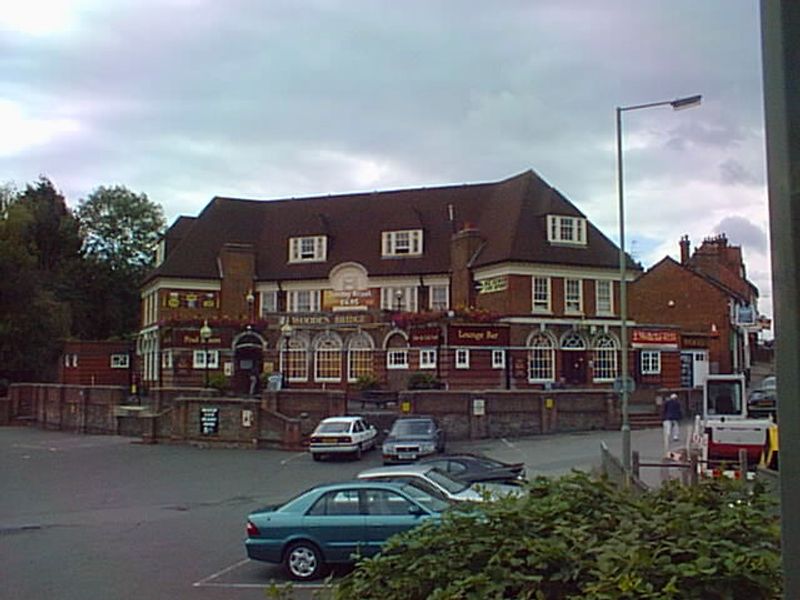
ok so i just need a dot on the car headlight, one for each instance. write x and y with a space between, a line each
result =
427 447
388 448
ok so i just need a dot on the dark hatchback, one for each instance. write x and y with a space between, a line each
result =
412 438
763 400
475 468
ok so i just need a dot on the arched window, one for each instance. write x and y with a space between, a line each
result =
605 358
294 357
359 356
541 358
572 340
397 350
328 358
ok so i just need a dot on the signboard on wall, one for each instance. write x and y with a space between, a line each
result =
209 420
424 336
477 335
666 339
344 300
190 299
490 286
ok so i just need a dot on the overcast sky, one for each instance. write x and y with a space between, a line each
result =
187 99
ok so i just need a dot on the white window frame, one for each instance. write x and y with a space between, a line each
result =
462 358
397 358
607 308
572 299
441 303
312 248
539 304
199 359
403 242
650 362
427 358
541 359
408 298
120 361
294 301
328 353
166 359
269 302
562 229
498 358
605 361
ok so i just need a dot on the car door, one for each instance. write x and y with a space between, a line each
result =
335 521
388 513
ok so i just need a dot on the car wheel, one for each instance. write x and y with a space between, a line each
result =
303 561
358 452
316 456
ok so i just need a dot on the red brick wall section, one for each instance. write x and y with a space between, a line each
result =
238 267
696 305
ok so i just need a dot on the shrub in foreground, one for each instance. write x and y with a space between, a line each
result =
575 537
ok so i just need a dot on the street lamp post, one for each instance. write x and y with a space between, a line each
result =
286 334
205 335
678 104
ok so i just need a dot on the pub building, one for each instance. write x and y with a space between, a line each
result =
500 285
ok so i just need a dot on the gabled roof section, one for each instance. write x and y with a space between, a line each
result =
669 261
511 216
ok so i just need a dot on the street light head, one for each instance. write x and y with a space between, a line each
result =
688 102
205 331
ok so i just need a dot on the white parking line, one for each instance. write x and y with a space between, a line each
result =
209 581
507 443
205 581
298 455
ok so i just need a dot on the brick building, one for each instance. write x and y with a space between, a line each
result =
502 285
85 362
708 301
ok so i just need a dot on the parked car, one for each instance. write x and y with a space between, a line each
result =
342 435
763 399
334 523
411 438
472 468
438 483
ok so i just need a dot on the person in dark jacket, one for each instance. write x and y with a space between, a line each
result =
671 418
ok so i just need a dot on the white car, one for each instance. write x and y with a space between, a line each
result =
342 435
439 484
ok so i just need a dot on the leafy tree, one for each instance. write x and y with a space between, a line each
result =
121 227
574 538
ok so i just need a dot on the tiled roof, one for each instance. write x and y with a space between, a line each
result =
510 215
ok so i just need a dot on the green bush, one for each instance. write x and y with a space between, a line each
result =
219 382
419 380
575 537
367 382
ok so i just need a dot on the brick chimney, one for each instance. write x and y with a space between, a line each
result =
685 246
237 264
463 247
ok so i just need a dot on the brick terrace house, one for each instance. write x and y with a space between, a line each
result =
502 285
708 304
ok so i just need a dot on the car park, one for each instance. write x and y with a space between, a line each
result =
342 435
334 523
412 437
438 483
472 468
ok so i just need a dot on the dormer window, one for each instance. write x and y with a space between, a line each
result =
308 249
402 243
566 230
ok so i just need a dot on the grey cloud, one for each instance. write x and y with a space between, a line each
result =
732 172
741 231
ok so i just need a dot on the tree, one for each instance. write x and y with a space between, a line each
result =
121 227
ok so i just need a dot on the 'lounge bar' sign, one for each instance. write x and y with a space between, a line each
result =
475 335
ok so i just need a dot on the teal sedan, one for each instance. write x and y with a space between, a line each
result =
336 524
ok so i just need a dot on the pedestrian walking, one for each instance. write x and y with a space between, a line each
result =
671 418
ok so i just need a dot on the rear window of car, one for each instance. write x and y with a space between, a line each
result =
334 427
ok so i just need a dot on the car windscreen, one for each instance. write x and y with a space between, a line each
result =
427 500
441 478
411 428
334 427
